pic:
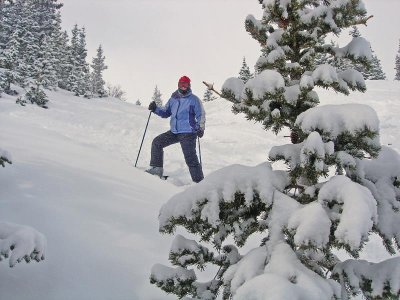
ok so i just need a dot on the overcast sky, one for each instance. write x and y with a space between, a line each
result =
154 42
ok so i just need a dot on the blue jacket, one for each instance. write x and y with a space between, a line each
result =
186 112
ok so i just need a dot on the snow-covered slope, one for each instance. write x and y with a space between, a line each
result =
73 179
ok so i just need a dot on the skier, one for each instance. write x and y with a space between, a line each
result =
187 122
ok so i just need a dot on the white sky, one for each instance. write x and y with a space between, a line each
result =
154 42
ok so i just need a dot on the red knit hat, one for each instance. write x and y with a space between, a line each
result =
184 79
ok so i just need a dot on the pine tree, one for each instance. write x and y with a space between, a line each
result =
10 62
27 40
73 61
208 96
303 214
157 97
244 73
97 81
63 65
376 71
60 50
45 66
8 14
35 94
84 79
35 52
41 23
79 77
138 102
354 32
397 65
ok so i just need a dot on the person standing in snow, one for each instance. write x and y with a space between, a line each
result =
187 122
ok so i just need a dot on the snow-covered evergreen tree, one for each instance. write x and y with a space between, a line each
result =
397 65
63 65
10 63
244 73
35 94
27 42
79 77
84 79
46 63
376 72
72 83
340 185
34 48
7 22
157 97
138 102
97 81
208 96
354 32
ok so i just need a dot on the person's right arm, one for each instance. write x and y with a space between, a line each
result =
162 112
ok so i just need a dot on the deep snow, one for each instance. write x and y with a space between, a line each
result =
73 179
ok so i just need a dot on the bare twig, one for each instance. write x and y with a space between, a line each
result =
363 21
210 86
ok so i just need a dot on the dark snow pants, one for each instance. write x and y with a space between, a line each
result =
188 145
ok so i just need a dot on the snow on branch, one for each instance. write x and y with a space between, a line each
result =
341 197
358 48
354 133
251 265
23 242
325 75
315 150
352 79
285 277
177 280
232 89
290 153
376 280
268 81
230 188
185 252
382 177
337 119
311 225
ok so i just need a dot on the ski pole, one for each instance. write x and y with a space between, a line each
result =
198 139
144 134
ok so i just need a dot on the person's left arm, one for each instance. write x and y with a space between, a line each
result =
200 116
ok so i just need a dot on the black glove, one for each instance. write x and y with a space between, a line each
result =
152 106
200 132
